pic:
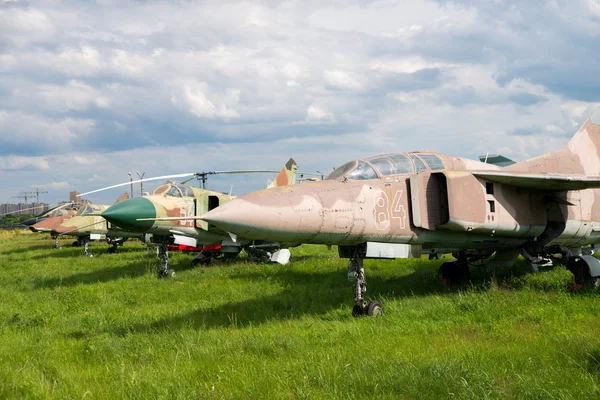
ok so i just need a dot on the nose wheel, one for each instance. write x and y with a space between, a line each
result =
356 273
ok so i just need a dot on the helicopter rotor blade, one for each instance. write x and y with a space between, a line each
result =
246 171
156 178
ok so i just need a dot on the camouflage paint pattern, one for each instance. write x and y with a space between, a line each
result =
49 224
181 201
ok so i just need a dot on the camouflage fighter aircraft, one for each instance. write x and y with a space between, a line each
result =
50 222
61 209
88 225
407 204
155 216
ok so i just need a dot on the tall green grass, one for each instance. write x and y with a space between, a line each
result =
105 327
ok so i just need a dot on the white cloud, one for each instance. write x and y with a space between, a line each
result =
314 113
53 185
341 79
23 163
83 160
202 107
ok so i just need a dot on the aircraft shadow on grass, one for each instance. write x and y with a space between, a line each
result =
27 249
72 252
130 270
315 294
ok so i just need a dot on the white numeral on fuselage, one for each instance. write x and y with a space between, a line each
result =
382 211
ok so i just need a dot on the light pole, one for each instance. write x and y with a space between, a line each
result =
141 182
130 184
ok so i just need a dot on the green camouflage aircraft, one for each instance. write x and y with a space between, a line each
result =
151 215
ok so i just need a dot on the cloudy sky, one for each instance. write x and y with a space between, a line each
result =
91 90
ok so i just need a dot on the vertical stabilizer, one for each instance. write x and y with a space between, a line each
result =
581 155
585 145
123 197
287 175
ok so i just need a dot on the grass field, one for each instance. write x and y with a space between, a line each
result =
105 327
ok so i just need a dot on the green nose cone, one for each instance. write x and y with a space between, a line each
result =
126 214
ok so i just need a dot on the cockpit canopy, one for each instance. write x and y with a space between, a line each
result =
174 190
90 209
58 213
387 164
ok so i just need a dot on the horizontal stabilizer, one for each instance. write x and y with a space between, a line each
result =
541 181
496 159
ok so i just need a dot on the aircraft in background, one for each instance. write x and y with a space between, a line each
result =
407 204
88 225
152 216
48 222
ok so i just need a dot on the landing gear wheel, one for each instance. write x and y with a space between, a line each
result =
593 283
75 244
453 272
203 259
170 273
358 311
374 309
112 250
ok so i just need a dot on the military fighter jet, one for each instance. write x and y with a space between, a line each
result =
408 204
151 215
49 223
88 225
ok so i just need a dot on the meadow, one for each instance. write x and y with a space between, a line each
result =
105 327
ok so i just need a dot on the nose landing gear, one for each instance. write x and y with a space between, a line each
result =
356 273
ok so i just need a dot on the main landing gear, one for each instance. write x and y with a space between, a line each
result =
163 256
84 242
586 271
454 272
56 245
356 273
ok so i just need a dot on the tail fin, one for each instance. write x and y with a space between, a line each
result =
580 156
287 175
586 146
123 197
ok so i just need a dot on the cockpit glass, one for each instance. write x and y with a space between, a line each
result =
392 164
363 171
88 209
173 192
434 162
418 163
354 170
186 191
341 170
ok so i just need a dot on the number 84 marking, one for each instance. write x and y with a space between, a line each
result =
383 213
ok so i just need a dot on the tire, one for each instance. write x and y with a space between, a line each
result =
374 309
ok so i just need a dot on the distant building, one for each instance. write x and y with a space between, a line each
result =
24 208
74 196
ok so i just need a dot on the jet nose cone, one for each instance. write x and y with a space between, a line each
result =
274 215
126 214
237 216
31 221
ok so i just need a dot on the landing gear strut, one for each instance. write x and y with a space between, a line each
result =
84 241
56 245
163 256
356 273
